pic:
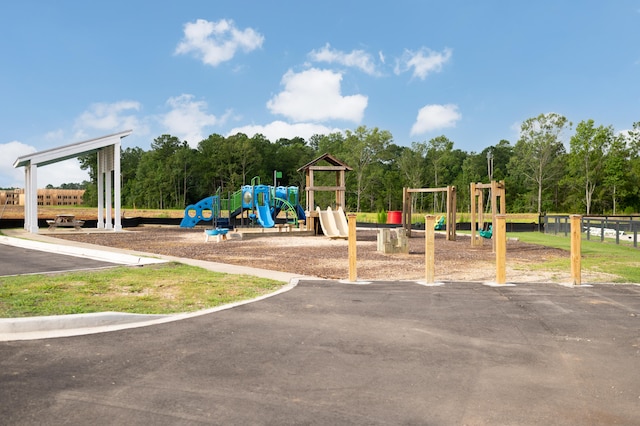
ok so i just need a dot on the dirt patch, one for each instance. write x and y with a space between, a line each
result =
322 257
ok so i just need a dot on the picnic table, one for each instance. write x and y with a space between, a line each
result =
65 221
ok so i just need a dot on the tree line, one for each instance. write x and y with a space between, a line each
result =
551 168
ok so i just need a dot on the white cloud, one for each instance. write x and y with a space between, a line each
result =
315 95
108 117
356 58
217 42
279 129
423 62
54 135
10 176
434 117
55 174
188 119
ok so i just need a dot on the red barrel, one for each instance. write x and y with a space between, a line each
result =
394 217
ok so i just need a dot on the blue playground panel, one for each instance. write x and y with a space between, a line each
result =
265 200
194 213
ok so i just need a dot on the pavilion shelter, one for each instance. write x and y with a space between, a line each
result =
108 150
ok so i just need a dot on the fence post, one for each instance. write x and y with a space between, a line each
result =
429 248
501 248
353 273
576 234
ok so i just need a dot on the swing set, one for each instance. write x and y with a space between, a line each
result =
496 202
447 221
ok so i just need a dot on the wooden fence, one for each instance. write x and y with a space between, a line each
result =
620 228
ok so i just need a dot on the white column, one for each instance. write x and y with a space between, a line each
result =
31 198
100 190
27 193
116 187
107 201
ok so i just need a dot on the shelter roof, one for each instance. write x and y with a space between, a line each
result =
65 152
329 159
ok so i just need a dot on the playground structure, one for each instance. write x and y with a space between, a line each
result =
258 204
450 215
340 170
254 204
497 204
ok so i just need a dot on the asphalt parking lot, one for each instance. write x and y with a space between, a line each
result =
20 260
332 353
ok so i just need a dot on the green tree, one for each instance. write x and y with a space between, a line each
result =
364 149
589 146
288 155
162 174
245 156
443 163
538 153
437 150
616 170
411 164
212 157
632 198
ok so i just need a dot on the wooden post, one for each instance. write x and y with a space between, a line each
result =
451 213
353 273
576 240
474 218
503 198
429 248
494 210
406 211
500 236
310 195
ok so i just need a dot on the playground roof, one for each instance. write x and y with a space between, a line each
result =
108 149
54 155
329 159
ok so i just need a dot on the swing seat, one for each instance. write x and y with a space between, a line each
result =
439 226
486 234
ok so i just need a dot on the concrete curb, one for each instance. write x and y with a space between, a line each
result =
80 324
49 327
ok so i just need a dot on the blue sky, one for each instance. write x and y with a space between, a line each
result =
469 70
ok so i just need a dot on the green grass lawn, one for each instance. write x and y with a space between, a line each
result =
607 257
158 289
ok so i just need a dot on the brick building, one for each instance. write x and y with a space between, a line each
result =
46 197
